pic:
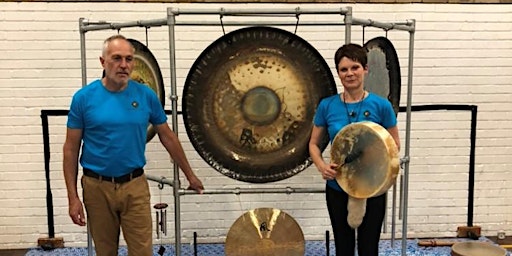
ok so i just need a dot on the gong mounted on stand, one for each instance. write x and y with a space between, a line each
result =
146 71
265 231
249 101
383 76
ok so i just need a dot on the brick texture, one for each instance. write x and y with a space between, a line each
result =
462 55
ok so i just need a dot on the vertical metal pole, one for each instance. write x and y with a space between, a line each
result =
384 221
471 181
171 22
195 243
82 52
407 138
348 25
327 243
49 196
83 61
393 217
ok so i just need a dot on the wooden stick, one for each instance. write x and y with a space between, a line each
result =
435 243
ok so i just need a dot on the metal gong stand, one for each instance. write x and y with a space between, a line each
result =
171 22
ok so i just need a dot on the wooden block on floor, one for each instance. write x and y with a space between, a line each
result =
50 243
471 232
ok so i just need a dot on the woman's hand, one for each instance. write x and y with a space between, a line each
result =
328 171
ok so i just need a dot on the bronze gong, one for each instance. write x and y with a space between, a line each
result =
477 249
265 231
147 71
249 101
367 158
383 76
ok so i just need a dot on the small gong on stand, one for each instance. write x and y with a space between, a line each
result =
161 224
265 231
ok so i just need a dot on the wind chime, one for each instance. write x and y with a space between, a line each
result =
161 220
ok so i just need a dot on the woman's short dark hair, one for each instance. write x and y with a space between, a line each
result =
354 52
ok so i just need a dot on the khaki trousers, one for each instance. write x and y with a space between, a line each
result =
113 207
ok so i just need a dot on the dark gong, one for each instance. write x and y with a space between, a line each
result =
147 71
249 101
383 70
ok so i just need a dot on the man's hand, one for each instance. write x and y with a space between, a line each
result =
76 212
195 184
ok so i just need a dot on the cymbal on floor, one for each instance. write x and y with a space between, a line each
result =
265 231
476 248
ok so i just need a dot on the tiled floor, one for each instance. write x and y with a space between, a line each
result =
312 248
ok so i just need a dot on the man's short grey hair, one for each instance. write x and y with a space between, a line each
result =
110 39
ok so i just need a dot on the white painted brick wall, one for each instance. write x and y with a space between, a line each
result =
463 55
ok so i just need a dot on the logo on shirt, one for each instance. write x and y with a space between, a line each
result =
135 104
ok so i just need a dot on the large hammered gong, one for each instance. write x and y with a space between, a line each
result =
147 71
383 76
249 101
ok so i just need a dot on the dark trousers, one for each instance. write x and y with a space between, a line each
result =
368 234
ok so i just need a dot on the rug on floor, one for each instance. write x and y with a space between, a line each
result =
312 248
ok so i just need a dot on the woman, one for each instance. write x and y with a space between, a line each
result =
354 104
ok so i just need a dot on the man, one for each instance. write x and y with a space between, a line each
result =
110 116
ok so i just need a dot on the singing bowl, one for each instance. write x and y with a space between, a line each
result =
249 101
146 71
367 159
383 76
477 249
265 231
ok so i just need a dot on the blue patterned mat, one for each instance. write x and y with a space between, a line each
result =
313 248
